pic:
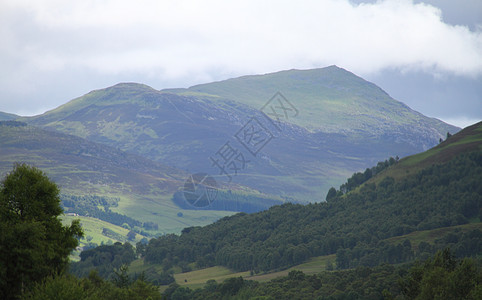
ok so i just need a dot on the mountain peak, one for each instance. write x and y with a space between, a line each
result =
131 85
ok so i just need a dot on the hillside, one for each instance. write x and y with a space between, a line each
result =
330 100
124 183
344 124
355 226
7 117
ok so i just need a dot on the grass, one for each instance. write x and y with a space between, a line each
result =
467 140
197 278
330 98
93 228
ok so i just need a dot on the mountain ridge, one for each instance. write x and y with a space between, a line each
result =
322 85
185 128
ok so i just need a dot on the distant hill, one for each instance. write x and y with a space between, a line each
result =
344 124
7 116
467 140
439 188
143 188
332 100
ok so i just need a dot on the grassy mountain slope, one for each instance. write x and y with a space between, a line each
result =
94 232
467 140
345 124
329 99
354 226
185 131
7 116
81 167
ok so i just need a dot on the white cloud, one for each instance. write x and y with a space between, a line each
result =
190 39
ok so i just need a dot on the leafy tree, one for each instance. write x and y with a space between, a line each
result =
34 244
342 261
68 287
442 277
131 235
104 259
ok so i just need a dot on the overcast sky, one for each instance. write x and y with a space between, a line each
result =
427 54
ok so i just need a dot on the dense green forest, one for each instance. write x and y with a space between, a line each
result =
106 260
351 225
439 277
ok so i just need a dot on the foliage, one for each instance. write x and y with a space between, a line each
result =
68 287
443 277
440 277
105 259
111 262
87 205
438 196
34 244
359 178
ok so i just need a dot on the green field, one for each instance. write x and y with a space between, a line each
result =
93 229
198 278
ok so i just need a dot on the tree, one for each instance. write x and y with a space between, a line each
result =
331 194
121 279
342 261
131 235
442 277
34 244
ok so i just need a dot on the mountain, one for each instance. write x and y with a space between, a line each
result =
337 124
332 100
365 227
7 116
95 175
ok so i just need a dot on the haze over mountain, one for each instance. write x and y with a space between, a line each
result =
143 187
342 124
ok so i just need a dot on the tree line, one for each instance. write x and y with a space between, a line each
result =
354 224
87 205
439 277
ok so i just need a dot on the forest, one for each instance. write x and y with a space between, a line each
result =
352 225
439 277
